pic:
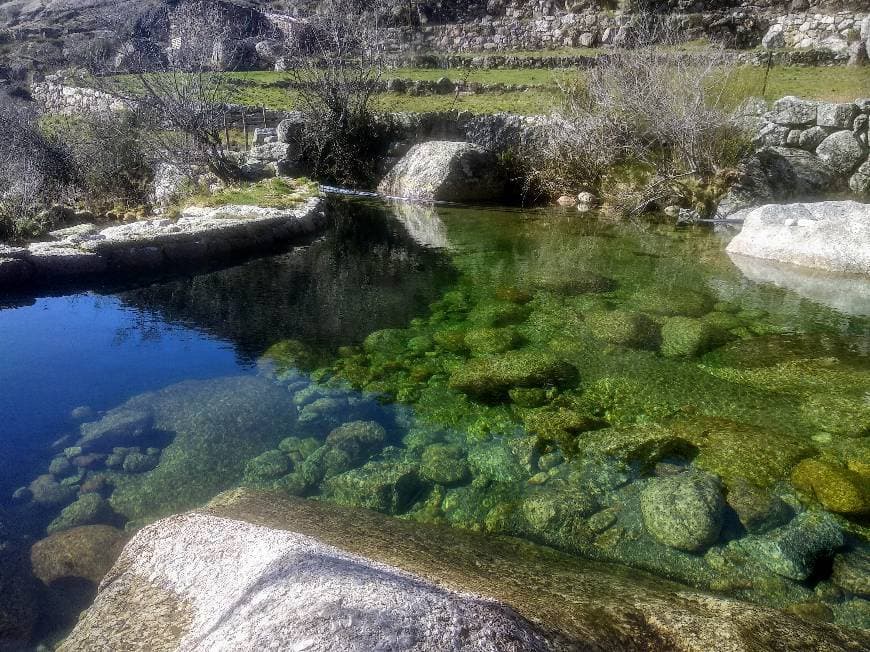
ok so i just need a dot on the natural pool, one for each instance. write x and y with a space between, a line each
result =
619 391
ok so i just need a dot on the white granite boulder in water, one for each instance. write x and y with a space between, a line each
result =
445 171
831 235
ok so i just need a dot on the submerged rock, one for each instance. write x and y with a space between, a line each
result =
70 565
256 572
683 511
384 486
269 466
686 337
793 549
851 572
633 329
444 464
837 489
490 378
121 427
448 171
89 509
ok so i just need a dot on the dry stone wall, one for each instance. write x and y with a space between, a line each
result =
835 133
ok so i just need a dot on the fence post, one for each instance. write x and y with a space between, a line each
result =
226 131
264 115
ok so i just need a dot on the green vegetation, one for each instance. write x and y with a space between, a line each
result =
823 83
279 192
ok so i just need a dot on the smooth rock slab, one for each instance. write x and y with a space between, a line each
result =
255 571
833 235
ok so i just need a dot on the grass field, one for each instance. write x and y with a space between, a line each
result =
833 84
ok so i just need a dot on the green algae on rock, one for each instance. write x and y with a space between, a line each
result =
838 489
491 378
687 337
633 329
683 511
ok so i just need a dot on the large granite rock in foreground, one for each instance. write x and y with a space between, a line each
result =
833 235
445 171
256 571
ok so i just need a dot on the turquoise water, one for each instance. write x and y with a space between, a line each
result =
584 384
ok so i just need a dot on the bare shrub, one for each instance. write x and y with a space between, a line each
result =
180 101
335 61
663 112
36 171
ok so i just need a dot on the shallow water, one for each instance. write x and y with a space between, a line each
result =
536 374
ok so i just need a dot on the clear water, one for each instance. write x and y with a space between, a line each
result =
523 373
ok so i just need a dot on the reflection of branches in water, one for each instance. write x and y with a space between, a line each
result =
144 325
364 274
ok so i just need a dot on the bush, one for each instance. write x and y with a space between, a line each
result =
648 107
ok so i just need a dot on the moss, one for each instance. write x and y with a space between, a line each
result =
267 467
671 302
451 339
575 282
837 489
841 416
560 427
389 341
529 397
487 341
444 464
297 449
289 355
642 446
490 378
739 451
498 313
513 295
382 486
625 328
686 337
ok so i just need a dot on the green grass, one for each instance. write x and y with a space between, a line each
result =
269 193
829 83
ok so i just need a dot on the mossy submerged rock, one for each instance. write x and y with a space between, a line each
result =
494 314
625 328
793 549
388 341
288 355
561 427
45 490
757 509
297 449
267 467
89 509
495 462
86 552
576 282
683 511
642 445
672 302
490 378
217 426
851 572
451 339
526 583
384 486
685 337
489 341
444 464
136 462
740 451
837 489
358 438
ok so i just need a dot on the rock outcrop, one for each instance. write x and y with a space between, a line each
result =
255 571
445 171
833 236
200 234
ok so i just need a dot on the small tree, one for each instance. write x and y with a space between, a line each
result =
336 61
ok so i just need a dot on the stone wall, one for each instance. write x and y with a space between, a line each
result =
835 133
58 98
833 31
